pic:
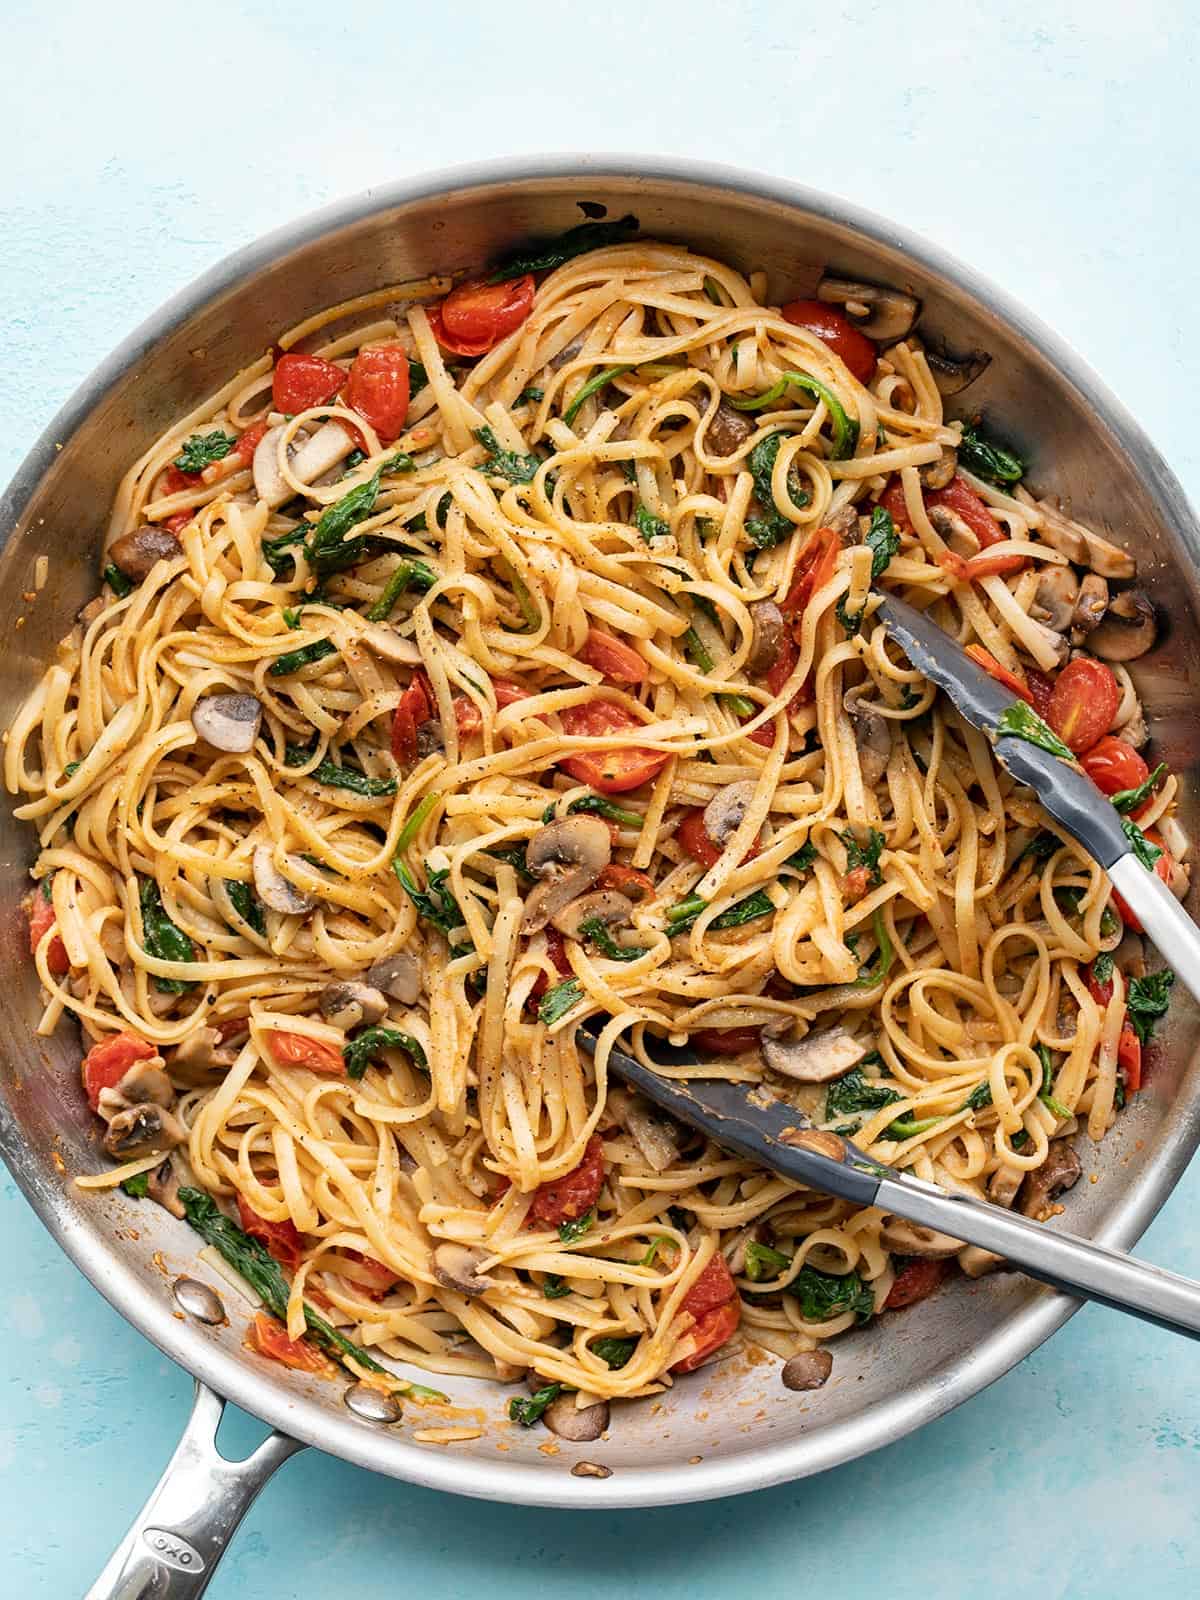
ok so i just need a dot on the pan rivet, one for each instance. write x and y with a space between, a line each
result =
372 1404
199 1301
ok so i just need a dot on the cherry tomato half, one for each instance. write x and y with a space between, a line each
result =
629 881
301 381
957 496
712 1330
415 707
1129 1058
282 1239
725 1041
1113 765
1085 700
41 919
609 771
916 1280
1101 993
836 330
107 1063
813 571
378 388
696 839
613 657
573 1194
712 1288
298 1050
270 1339
476 316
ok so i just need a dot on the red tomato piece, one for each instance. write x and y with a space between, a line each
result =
481 314
508 692
179 521
1113 765
468 718
1001 674
892 500
573 1194
959 497
174 481
950 561
629 881
1101 993
765 735
609 771
836 330
107 1063
855 884
613 657
300 381
712 1330
270 1339
812 572
725 1041
41 919
375 1278
415 707
995 562
712 1288
1040 689
282 1239
378 388
298 1050
1084 702
556 949
249 442
1162 868
1129 1058
783 665
916 1280
696 839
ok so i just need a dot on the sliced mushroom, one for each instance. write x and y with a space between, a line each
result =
141 1131
728 430
568 856
817 1058
162 1185
872 737
655 1134
910 1239
1057 593
952 374
1135 730
456 1266
808 1370
398 976
1060 1171
308 461
137 553
275 890
606 906
725 812
392 646
579 1424
1128 630
937 474
766 638
348 1004
1079 544
884 315
228 721
202 1050
1090 605
146 1083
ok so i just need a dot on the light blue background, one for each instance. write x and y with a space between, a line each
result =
1050 144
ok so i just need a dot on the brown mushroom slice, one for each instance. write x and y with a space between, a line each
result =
392 646
456 1266
607 906
654 1133
567 856
1090 605
1003 1185
579 1424
766 638
937 474
872 737
1060 1171
1055 598
398 975
1079 544
728 431
809 1369
347 1004
884 315
910 1239
953 374
162 1185
141 1131
228 722
146 1083
136 554
276 891
817 1058
202 1050
309 460
1129 628
726 811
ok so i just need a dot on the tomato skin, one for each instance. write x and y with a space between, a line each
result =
107 1063
855 884
782 668
41 918
629 881
1040 689
619 662
250 441
609 771
300 381
1001 674
376 1280
712 1330
1113 765
282 1239
299 1050
916 1280
271 1340
1162 869
575 1193
1084 702
836 330
556 949
468 718
697 841
415 706
179 521
725 1041
995 562
957 496
1129 1058
508 692
812 572
378 388
476 316
175 481
1101 993
712 1288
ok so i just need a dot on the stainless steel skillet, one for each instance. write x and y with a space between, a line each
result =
913 1368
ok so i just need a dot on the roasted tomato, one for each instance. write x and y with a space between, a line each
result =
508 692
371 1275
1129 1058
1084 702
713 1302
836 330
468 718
301 381
1101 993
378 388
1163 868
415 707
609 771
712 1288
613 657
107 1063
916 1280
282 1239
629 881
41 919
270 1339
556 949
957 496
1113 765
994 669
575 1193
298 1050
476 316
725 1041
813 571
696 839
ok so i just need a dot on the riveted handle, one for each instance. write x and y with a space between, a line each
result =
183 1530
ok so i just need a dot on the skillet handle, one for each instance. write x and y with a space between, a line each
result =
183 1530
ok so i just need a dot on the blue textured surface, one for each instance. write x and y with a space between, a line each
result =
1050 144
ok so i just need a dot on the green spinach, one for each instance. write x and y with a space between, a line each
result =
546 254
162 938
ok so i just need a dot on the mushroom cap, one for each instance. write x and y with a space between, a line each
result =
809 1369
1128 630
952 374
579 1424
136 553
568 856
767 637
141 1131
347 1003
456 1266
724 813
817 1058
228 722
276 891
884 315
608 906
398 975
